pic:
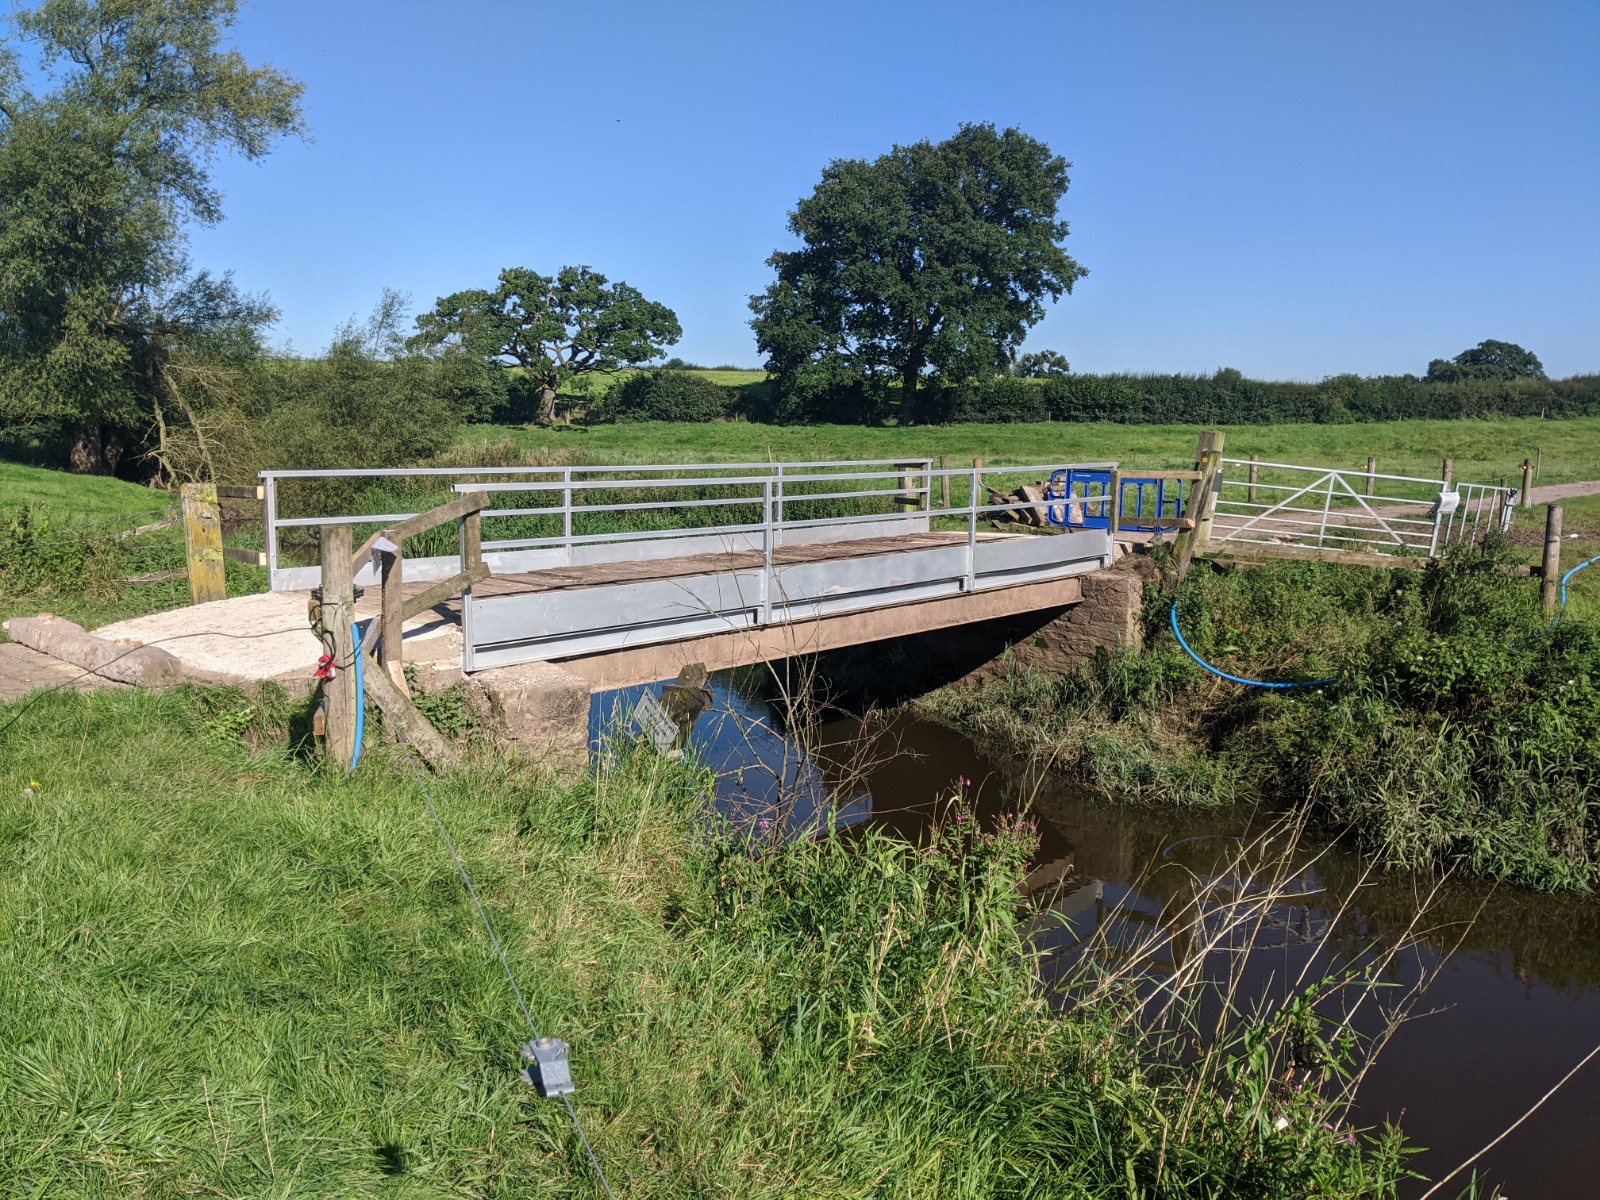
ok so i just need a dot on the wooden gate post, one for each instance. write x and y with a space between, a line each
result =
1550 572
1255 475
1202 498
1372 474
1447 473
336 618
202 543
944 482
1527 483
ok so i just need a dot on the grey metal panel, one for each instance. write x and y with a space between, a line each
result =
594 642
877 574
614 607
1025 550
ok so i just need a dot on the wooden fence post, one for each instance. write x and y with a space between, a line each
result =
392 622
944 482
202 543
336 617
1202 498
1255 475
1527 483
1447 473
1372 474
1550 572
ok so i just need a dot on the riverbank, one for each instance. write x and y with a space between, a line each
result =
1453 727
232 972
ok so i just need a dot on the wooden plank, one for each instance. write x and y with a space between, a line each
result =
251 558
202 543
336 616
225 492
409 726
392 600
467 505
444 590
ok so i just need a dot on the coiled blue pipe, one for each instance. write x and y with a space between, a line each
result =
1233 678
361 702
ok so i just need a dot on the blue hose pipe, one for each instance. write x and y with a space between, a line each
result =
361 701
1571 573
1234 678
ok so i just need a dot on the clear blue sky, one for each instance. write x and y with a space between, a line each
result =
1293 188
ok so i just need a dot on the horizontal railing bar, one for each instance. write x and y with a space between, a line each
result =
1351 472
1239 485
380 518
636 506
1266 526
391 472
628 535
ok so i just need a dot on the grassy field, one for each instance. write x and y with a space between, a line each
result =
231 973
59 549
81 500
1484 451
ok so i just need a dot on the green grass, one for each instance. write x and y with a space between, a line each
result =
227 973
1483 451
84 500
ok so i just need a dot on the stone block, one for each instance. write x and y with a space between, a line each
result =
123 662
538 711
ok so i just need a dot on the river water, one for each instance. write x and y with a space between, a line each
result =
1512 997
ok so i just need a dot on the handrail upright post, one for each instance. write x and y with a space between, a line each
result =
566 507
972 532
767 534
777 495
269 519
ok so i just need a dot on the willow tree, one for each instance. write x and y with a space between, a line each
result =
932 260
102 323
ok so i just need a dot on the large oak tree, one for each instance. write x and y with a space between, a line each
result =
555 328
931 260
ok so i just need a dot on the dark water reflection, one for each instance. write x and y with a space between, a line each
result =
1514 998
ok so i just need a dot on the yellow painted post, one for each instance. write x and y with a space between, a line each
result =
202 543
1550 571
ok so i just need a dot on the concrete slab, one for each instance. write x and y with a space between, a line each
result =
267 636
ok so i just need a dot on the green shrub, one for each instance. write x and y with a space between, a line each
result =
668 395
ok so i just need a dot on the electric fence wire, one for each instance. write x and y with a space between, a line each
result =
500 953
